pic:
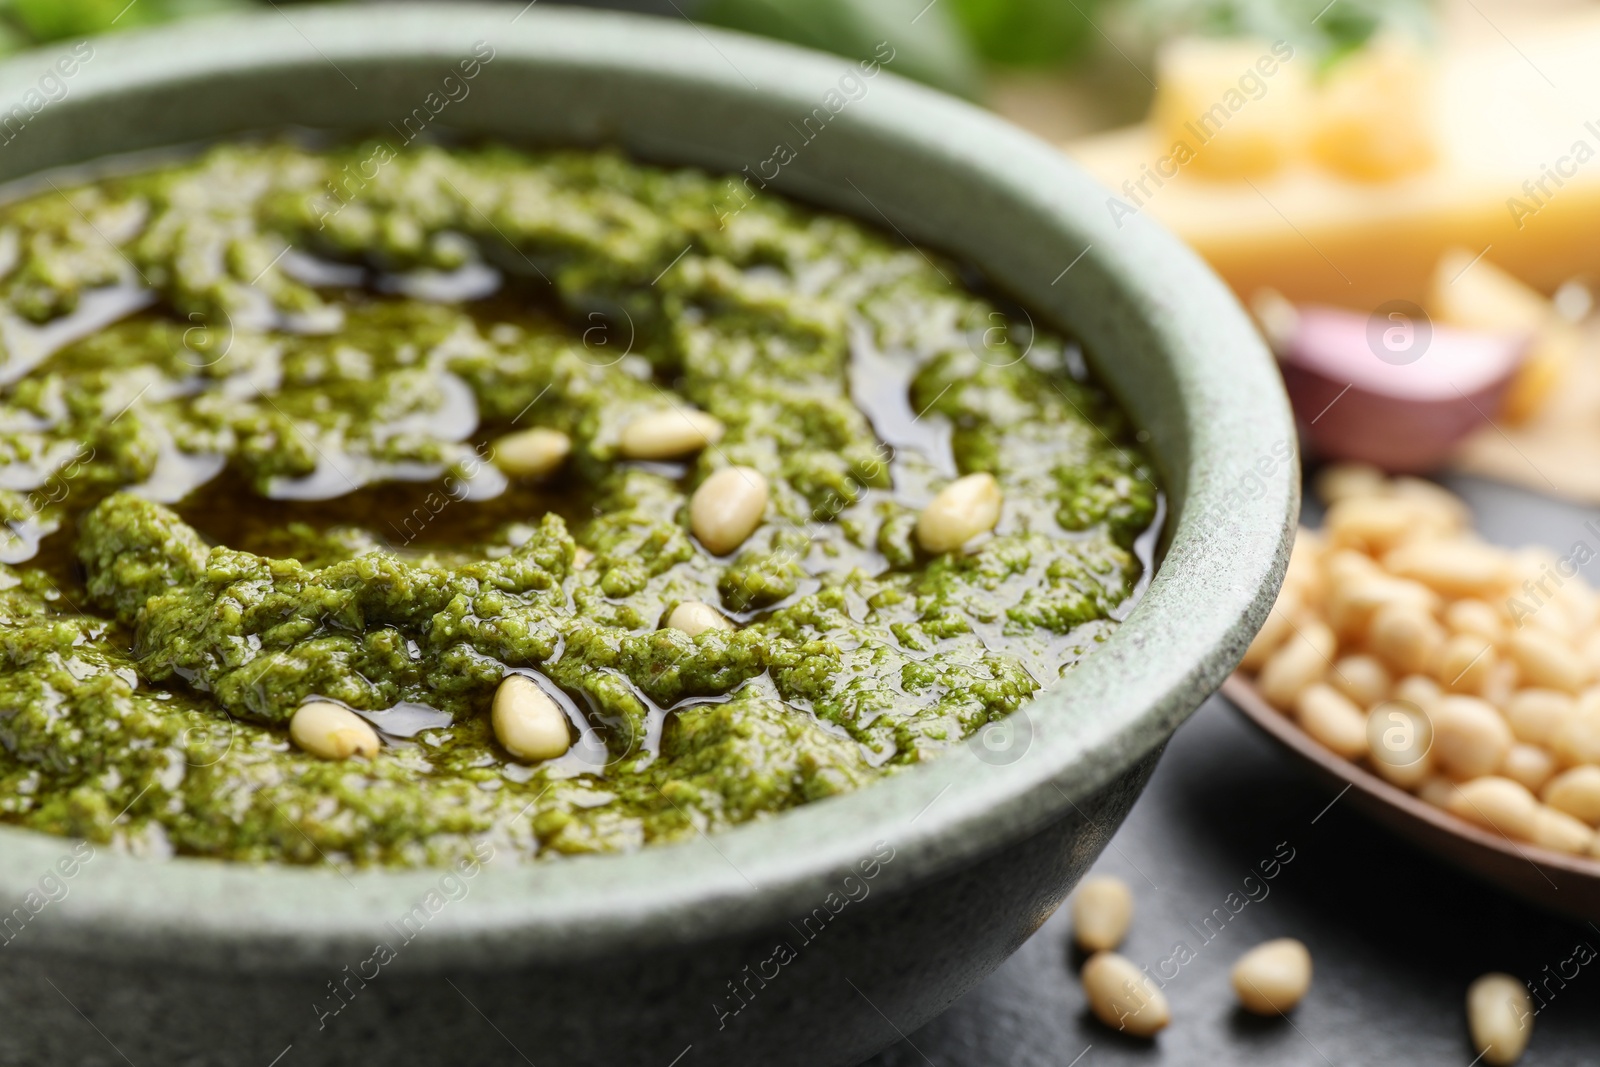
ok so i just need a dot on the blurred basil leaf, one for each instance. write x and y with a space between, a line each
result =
51 20
12 40
926 44
1027 33
1328 31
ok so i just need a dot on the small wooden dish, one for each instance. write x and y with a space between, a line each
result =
1555 880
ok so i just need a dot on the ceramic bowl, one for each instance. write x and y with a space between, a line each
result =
816 937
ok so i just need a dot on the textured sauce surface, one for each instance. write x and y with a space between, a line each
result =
248 406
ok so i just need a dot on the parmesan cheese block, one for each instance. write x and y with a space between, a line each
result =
1512 166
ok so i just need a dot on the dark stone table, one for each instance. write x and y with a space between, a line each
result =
1395 937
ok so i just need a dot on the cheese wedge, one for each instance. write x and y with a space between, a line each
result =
1471 292
1507 151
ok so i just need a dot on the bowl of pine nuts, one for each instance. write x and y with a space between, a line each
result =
1450 686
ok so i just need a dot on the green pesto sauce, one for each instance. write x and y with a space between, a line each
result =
247 414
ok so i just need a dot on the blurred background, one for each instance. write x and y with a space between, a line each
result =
1403 194
1379 178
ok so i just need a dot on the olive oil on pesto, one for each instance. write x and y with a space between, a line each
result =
246 459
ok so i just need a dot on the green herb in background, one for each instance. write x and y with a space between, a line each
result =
946 43
943 42
927 45
24 23
1326 30
1027 33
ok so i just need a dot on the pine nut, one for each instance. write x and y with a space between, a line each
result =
1546 661
669 434
1534 714
1420 690
1377 524
1531 565
332 731
1341 481
1438 504
1332 719
1470 739
1304 574
527 722
1583 607
695 618
1124 997
961 511
1399 737
1404 775
1406 637
1500 1018
1348 610
535 453
1590 651
1576 792
1346 565
1497 804
1361 678
1370 523
1387 589
727 508
1577 738
1475 617
1303 660
1351 605
1501 684
1454 568
1552 621
1356 588
1102 908
1559 831
1529 764
1273 977
1438 791
1466 663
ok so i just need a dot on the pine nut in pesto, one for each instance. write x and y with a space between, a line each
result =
727 508
695 618
669 434
332 732
527 722
436 572
963 509
535 453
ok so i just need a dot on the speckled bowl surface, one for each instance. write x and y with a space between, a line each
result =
673 952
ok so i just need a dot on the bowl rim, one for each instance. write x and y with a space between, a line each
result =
1228 534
